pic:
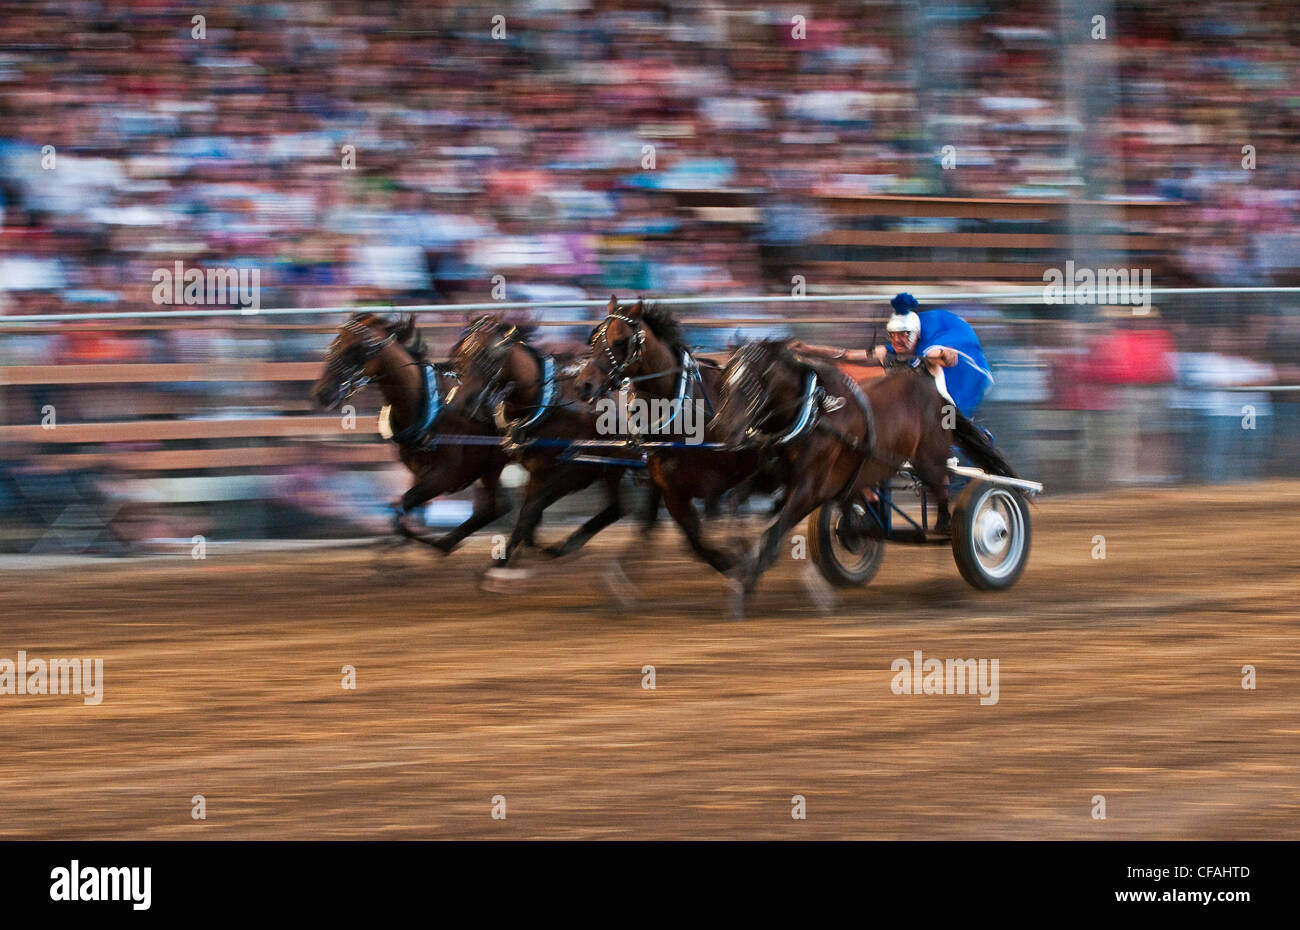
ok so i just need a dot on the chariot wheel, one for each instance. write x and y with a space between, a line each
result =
990 535
844 557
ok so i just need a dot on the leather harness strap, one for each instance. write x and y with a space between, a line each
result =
514 430
411 435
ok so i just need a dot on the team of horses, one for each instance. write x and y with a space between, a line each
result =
775 423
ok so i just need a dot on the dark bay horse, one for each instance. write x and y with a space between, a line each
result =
645 346
837 436
370 349
538 412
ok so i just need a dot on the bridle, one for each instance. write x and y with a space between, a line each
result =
636 345
616 377
352 376
487 358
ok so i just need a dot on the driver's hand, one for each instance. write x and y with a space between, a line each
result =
880 352
941 356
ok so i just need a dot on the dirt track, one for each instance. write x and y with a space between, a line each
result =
1119 677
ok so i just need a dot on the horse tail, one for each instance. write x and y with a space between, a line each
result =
978 447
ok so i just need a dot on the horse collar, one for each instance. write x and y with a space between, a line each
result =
431 406
545 402
807 416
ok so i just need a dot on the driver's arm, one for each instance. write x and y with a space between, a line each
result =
858 356
941 355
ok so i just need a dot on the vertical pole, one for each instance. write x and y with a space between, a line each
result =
1090 94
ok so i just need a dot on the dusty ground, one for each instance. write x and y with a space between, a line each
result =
1119 678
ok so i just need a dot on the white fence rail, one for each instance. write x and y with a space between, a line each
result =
1022 295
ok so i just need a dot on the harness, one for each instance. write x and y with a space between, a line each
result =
687 379
352 379
515 430
494 355
408 437
811 402
688 370
809 408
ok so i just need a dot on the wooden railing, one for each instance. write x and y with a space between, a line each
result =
866 243
260 442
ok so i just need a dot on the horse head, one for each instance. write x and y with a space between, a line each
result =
617 350
488 359
761 387
357 356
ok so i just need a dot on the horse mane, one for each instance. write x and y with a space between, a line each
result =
665 327
780 349
520 333
827 372
413 342
407 333
769 347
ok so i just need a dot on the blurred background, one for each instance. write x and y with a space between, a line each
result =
373 154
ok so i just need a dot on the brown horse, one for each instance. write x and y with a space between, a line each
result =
644 346
836 436
538 411
370 349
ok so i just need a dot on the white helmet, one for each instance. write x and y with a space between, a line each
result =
904 319
907 322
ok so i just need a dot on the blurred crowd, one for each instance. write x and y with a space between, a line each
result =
363 152
540 145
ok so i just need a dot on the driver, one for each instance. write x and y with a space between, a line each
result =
944 341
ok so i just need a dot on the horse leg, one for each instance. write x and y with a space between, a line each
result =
612 511
799 502
650 515
623 587
679 506
537 497
486 510
428 486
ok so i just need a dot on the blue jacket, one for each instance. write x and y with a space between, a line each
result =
970 378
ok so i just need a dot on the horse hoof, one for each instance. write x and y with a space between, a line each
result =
504 580
818 589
